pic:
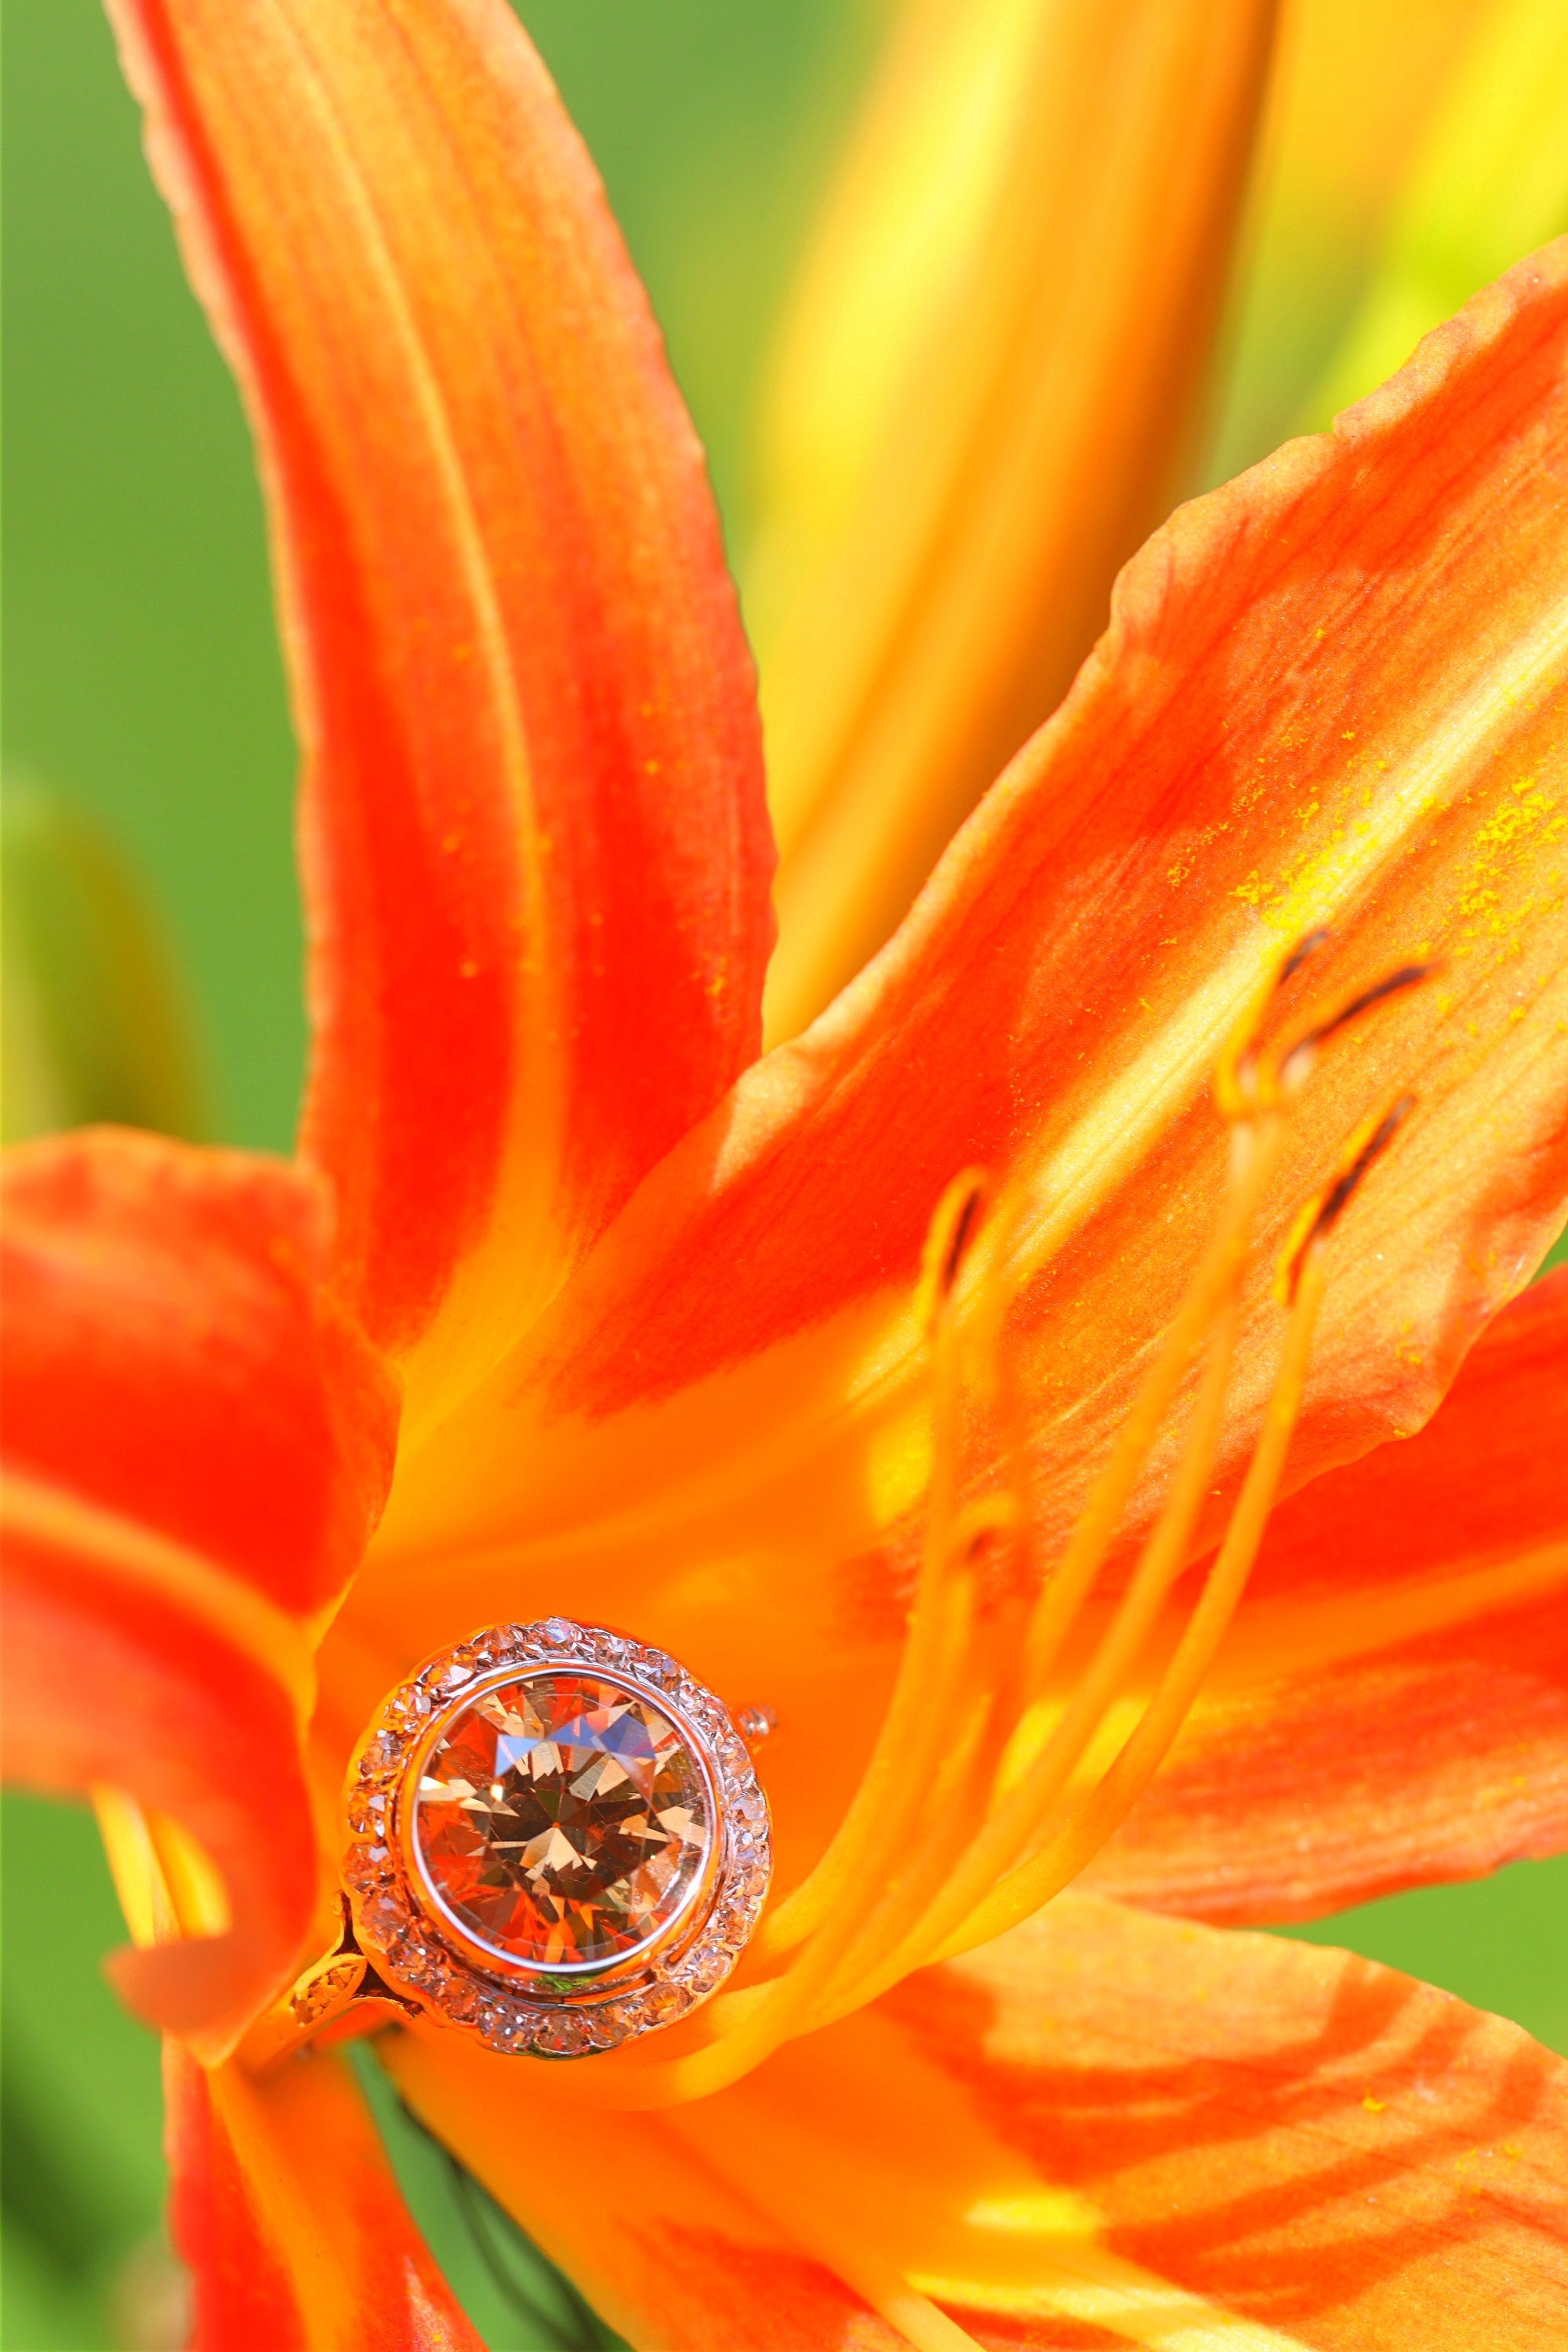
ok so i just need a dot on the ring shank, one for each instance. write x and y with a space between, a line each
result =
336 1998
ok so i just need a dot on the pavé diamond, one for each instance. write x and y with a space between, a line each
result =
562 1821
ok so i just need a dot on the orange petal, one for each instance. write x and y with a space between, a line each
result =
672 2254
1392 1707
286 2210
985 385
195 1443
1333 691
1107 2128
536 853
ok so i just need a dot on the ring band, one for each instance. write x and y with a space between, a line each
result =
555 1841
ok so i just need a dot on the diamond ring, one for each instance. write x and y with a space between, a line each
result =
555 1841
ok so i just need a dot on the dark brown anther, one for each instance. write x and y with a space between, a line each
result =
1320 1216
1296 1057
964 1230
1337 1198
1409 975
1306 947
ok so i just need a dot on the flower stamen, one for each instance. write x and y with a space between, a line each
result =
1015 1896
883 1822
1080 1838
1015 1823
961 1827
1319 1215
1255 1155
929 1638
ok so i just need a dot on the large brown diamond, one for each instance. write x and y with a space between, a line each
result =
562 1819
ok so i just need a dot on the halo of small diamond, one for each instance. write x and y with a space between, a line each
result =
404 1941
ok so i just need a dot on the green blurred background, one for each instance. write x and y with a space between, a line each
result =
144 688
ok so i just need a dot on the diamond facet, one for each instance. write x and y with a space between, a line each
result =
562 1821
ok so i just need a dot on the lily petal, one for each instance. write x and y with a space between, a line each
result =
195 1443
286 2210
1106 2128
670 2252
535 848
1333 691
982 388
1391 1708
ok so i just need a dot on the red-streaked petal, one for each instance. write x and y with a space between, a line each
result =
536 853
717 1437
286 2213
172 1360
195 1443
674 2256
1106 2123
1392 1707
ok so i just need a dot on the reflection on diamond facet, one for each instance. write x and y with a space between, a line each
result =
562 1819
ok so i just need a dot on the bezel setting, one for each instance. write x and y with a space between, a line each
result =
510 2005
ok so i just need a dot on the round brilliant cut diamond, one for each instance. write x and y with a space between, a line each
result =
562 1819
554 1840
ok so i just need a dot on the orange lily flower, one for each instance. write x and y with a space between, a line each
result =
569 1303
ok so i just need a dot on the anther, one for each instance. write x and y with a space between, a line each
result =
961 1231
1297 1059
981 1522
1319 1215
1247 1079
952 1229
1238 1092
1305 947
